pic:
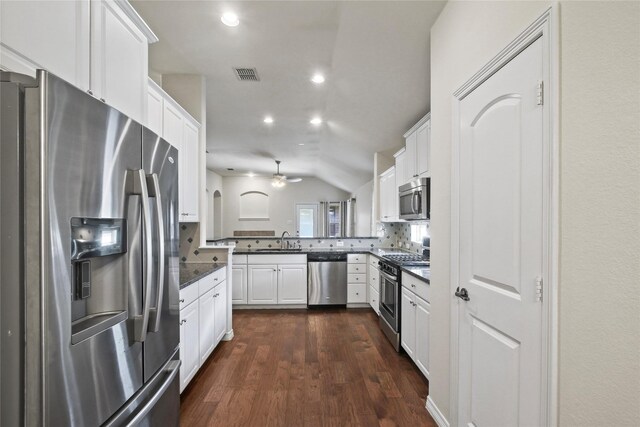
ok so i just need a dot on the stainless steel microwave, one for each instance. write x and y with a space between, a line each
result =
415 199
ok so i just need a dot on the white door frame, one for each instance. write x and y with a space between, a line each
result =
545 27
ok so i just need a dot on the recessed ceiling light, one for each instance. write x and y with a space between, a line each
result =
317 78
268 119
301 143
251 174
316 121
230 19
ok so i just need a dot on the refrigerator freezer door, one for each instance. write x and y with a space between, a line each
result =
92 365
160 162
157 403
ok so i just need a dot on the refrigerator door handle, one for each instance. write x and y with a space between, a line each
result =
172 369
138 186
154 191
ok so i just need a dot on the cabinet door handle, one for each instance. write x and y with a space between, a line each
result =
90 92
215 279
102 99
181 299
183 321
413 286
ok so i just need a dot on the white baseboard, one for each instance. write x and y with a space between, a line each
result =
436 414
228 336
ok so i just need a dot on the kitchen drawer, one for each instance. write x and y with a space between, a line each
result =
219 275
357 293
357 278
188 295
239 259
356 268
208 282
417 286
356 258
373 261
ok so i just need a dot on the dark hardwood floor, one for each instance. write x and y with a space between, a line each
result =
306 368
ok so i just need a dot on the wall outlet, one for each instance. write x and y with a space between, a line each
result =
339 243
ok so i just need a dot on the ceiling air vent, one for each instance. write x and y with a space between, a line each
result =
247 74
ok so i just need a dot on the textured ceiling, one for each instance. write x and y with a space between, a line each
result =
375 56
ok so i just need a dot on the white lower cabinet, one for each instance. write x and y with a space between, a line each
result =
189 350
408 322
423 321
203 322
239 291
262 284
276 279
206 323
357 279
374 284
414 324
292 284
219 312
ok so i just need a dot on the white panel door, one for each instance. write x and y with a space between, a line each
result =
423 322
119 67
408 322
190 174
53 35
501 243
262 284
423 149
189 350
239 283
292 284
155 102
207 321
220 311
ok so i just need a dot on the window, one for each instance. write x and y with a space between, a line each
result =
419 232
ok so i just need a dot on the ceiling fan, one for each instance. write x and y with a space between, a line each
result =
280 180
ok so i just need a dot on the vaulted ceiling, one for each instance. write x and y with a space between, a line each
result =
374 55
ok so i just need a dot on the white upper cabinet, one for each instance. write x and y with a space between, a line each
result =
119 65
417 151
423 149
189 172
183 132
155 106
401 166
53 35
100 46
388 196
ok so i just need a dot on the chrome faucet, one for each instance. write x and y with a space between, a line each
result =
282 239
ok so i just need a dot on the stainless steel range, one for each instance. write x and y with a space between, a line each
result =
390 287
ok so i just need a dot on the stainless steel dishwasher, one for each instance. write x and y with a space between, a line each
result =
327 279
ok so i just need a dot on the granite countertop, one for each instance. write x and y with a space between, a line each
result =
421 272
191 272
379 252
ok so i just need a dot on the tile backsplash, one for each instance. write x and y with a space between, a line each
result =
390 235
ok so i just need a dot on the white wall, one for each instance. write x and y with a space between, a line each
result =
281 202
214 183
599 382
463 39
600 214
364 208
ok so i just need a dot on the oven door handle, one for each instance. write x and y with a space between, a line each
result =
389 277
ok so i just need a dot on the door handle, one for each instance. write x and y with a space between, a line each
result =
137 185
154 186
462 294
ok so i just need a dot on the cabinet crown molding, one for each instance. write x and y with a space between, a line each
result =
417 125
137 20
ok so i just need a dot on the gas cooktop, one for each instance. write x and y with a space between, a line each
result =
407 259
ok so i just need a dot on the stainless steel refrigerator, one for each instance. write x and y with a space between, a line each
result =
89 262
